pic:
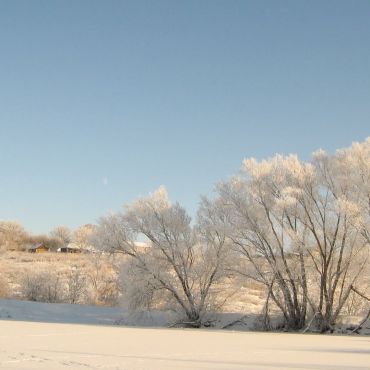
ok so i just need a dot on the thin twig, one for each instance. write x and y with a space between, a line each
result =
360 294
310 323
238 321
358 327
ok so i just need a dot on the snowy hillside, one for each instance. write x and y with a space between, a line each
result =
75 314
98 315
62 313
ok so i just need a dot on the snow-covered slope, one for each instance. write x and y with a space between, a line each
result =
63 313
97 315
75 314
83 314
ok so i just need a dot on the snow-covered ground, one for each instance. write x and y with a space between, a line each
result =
39 346
57 313
83 314
37 336
75 314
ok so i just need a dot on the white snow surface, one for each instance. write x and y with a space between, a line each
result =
50 346
97 315
43 336
76 314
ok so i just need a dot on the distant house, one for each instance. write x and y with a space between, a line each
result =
39 248
77 248
141 246
70 248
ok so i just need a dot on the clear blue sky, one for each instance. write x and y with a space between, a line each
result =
103 101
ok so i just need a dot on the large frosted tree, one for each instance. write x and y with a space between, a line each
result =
263 228
179 266
303 228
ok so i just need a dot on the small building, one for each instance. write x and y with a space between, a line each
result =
39 248
70 248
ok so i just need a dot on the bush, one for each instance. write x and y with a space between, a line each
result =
42 286
76 286
4 288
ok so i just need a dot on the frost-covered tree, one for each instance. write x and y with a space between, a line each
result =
335 210
63 234
264 231
12 235
180 264
81 237
303 228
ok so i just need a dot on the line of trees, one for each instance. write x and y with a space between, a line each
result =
300 229
14 237
91 281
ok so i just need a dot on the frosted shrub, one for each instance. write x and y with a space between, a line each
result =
102 282
76 288
4 287
42 286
